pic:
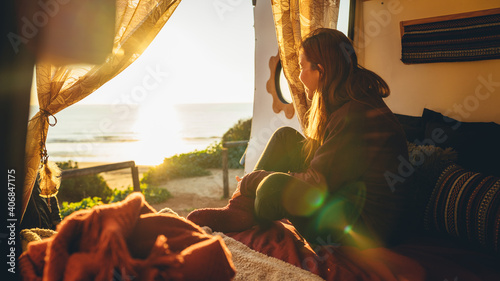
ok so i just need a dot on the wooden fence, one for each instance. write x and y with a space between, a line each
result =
225 172
106 168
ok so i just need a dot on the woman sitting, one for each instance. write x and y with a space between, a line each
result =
343 182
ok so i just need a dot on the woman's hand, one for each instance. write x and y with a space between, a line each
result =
237 191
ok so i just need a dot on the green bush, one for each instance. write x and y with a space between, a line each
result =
153 195
239 131
86 203
196 163
75 189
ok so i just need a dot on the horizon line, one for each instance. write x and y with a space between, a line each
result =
138 104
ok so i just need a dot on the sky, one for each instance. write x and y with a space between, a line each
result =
203 54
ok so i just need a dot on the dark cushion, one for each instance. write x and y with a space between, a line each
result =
413 127
477 143
464 205
428 162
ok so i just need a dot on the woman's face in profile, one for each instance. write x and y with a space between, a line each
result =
308 76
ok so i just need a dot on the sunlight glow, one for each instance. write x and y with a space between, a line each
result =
157 128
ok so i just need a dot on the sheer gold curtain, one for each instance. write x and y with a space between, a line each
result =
137 24
293 19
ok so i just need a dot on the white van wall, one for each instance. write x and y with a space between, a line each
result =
467 91
264 121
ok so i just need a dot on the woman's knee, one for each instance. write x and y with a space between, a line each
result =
286 132
268 200
288 196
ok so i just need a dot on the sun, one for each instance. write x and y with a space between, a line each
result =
158 134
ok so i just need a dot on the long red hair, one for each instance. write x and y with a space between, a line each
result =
342 79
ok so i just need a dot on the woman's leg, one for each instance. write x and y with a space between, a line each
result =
280 195
283 152
318 216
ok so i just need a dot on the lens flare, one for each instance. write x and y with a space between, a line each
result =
340 211
314 198
347 229
303 202
331 217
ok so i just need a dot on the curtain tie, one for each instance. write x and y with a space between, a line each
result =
49 172
47 115
43 149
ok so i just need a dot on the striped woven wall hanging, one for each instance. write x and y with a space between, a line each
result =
459 37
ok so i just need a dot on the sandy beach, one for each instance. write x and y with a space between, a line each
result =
187 193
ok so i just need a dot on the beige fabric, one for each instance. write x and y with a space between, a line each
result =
252 265
294 19
137 23
34 234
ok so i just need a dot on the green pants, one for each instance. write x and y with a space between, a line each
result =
320 217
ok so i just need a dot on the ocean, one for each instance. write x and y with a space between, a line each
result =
123 132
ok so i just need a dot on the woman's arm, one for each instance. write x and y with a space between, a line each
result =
340 159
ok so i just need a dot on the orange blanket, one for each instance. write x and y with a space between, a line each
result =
418 259
127 241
